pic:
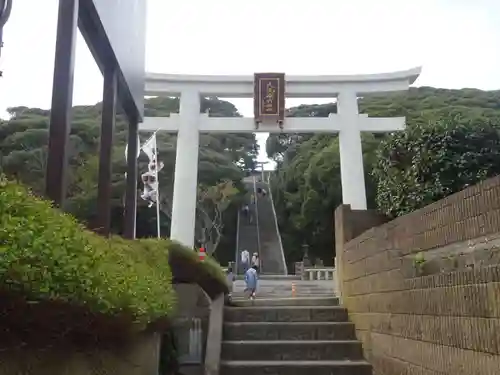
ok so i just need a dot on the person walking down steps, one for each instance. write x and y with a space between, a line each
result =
255 260
245 260
247 213
251 279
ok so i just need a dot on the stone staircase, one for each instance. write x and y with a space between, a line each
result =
273 262
290 336
247 232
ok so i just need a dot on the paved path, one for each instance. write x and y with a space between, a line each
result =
282 288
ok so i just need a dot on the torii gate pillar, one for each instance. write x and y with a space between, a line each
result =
186 170
352 173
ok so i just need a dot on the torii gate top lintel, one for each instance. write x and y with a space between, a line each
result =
242 86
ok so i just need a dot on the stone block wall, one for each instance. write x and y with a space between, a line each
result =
444 322
137 355
190 324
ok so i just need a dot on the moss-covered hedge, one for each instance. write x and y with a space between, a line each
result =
47 255
187 268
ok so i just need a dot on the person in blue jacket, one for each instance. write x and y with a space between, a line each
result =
251 279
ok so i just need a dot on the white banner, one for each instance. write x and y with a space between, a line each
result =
150 178
150 192
149 148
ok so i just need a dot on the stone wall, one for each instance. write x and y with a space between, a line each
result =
30 351
190 325
136 356
440 319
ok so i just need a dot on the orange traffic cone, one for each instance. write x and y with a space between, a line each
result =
294 291
202 254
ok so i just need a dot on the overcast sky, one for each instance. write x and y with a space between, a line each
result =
456 41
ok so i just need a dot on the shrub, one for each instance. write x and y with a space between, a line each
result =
426 163
48 255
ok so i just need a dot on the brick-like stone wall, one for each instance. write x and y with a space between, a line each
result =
192 302
446 322
137 355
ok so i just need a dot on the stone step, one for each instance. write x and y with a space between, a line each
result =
268 276
292 350
285 314
241 296
283 288
287 293
289 331
295 368
288 289
299 301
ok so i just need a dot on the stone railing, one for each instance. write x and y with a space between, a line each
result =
190 333
191 325
326 273
214 336
314 273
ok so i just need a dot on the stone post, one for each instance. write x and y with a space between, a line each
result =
299 269
305 258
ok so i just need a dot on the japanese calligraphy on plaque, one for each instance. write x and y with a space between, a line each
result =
269 98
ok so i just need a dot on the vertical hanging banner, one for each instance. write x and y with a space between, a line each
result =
151 192
150 178
269 98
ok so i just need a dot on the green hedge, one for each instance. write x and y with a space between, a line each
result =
48 255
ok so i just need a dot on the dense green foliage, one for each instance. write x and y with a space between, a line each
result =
429 162
48 255
223 159
306 187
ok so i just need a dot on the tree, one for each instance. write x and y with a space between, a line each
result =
306 186
223 157
213 201
426 163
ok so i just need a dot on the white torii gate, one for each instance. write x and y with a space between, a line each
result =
188 124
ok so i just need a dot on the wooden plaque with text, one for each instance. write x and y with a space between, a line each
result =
269 97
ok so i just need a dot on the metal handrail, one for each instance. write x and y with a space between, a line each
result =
236 256
257 223
285 270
